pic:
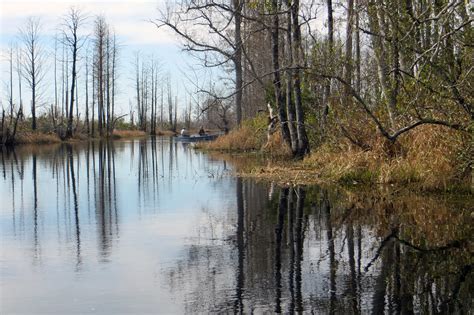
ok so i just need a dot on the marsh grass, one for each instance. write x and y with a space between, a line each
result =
120 134
37 137
428 156
432 158
250 136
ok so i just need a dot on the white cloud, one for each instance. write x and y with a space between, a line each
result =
129 18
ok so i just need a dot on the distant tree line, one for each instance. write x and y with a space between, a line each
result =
72 87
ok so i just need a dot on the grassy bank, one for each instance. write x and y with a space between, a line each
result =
124 134
431 158
39 137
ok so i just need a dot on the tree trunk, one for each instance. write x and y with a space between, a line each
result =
289 84
238 60
11 84
303 144
93 106
100 86
137 86
87 96
327 88
276 73
381 54
63 80
33 94
348 54
19 84
114 65
66 101
73 86
357 48
55 72
107 82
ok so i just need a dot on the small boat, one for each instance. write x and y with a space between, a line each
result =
195 138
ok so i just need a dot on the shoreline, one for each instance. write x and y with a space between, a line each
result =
428 159
282 170
40 138
257 166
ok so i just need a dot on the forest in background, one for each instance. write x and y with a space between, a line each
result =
67 87
350 85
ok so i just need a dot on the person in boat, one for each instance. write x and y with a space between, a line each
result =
202 132
184 132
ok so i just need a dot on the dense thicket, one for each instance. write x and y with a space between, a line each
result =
377 67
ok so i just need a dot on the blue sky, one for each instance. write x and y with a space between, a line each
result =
130 20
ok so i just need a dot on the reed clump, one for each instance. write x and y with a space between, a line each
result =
430 156
250 136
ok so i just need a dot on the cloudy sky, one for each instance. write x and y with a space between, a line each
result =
129 18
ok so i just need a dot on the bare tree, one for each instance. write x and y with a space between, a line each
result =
18 69
137 85
8 128
33 61
10 96
222 44
56 72
100 33
114 76
71 24
87 94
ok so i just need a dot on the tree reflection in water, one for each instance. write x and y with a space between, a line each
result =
63 161
309 249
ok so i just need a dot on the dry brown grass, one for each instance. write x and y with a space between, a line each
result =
28 137
431 158
275 147
427 156
120 134
251 136
165 133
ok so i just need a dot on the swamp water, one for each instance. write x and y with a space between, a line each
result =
152 226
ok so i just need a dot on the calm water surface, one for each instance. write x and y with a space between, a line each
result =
152 226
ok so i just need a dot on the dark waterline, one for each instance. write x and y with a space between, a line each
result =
152 226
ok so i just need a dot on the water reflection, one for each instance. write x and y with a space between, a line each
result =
151 226
301 250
